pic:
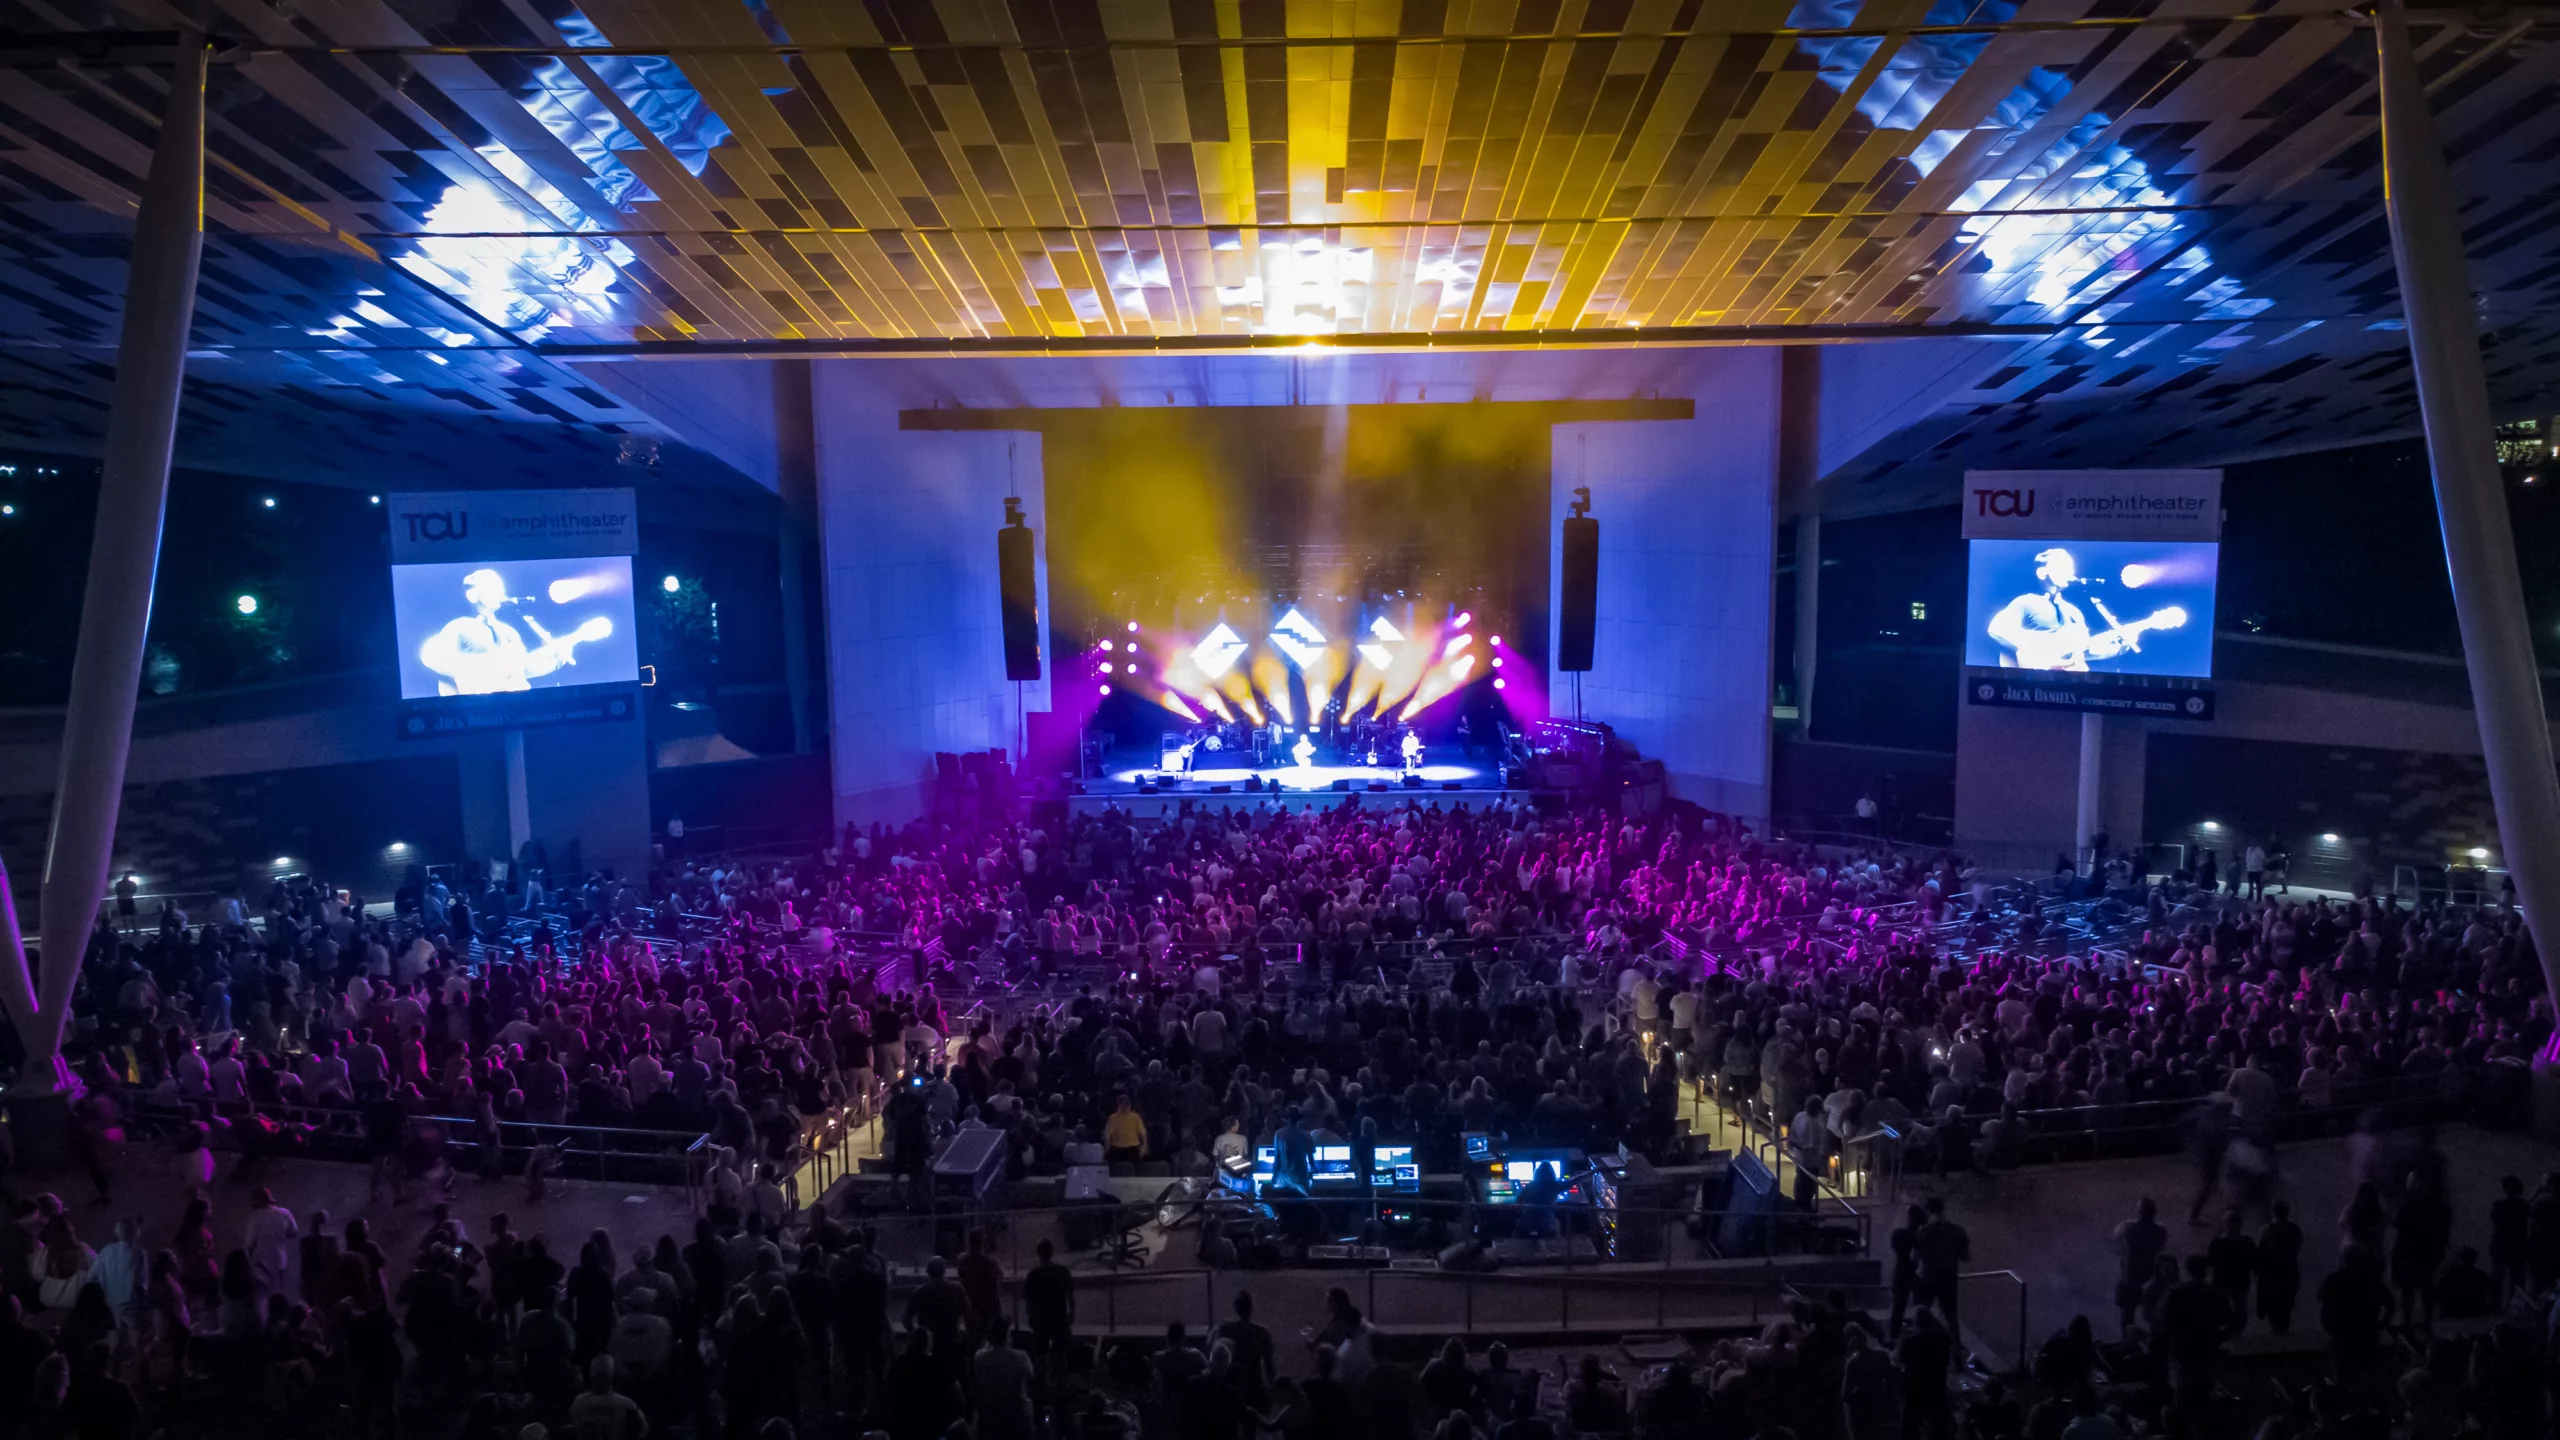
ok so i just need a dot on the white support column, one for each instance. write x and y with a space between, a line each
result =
1808 614
2471 504
519 801
1799 494
2084 822
124 559
795 476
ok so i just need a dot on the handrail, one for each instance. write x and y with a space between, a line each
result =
462 1133
1107 1285
1830 1233
1884 1290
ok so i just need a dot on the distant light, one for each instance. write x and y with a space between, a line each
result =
373 499
2213 824
1497 639
1133 627
269 502
8 509
1497 662
1497 680
399 845
1465 617
284 859
1106 667
2136 576
1103 689
136 879
671 584
1108 646
2479 852
246 604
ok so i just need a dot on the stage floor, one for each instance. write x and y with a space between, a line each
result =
1291 787
1303 777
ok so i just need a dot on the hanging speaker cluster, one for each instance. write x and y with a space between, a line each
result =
1021 594
1577 607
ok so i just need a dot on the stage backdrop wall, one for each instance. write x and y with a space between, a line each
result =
1687 512
908 521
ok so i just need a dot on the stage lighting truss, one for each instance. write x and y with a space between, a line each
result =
1297 637
1218 651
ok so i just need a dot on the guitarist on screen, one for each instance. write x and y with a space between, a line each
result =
482 654
2045 631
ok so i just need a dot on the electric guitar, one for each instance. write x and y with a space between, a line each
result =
2120 637
467 670
558 648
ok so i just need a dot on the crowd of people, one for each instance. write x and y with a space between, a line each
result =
1214 982
2423 1337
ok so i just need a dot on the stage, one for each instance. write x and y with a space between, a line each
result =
1288 787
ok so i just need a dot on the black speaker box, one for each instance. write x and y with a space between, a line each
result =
1578 606
1021 597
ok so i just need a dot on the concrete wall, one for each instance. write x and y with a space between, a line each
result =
915 664
1872 392
590 782
908 522
330 734
1687 513
724 408
2017 770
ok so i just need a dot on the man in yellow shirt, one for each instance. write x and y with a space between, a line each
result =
1124 1135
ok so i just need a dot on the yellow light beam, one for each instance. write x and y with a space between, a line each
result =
1271 681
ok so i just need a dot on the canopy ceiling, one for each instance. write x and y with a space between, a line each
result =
424 213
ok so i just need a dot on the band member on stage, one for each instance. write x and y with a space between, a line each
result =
2044 630
1304 751
1412 751
480 654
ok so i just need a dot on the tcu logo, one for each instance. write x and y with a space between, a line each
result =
2018 503
438 524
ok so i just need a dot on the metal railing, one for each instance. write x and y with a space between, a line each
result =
1977 1293
1674 1242
2148 1127
610 1153
1549 1301
1872 1165
1582 1301
2461 886
828 1147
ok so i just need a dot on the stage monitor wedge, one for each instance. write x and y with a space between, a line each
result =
1020 583
1578 605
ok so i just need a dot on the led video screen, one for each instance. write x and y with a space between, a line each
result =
493 628
2110 607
